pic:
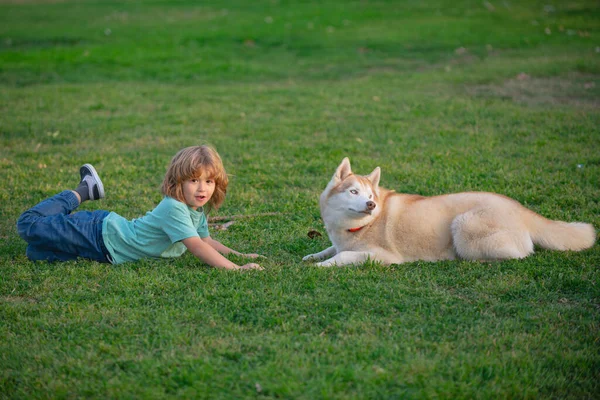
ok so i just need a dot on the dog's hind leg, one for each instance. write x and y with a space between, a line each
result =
487 234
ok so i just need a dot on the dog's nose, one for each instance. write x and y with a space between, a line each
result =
371 205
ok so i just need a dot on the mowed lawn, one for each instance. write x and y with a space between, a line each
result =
444 96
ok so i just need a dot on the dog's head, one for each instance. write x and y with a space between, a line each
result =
349 197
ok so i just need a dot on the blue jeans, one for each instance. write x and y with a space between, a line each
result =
54 234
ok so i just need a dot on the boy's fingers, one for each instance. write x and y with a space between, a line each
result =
254 255
252 266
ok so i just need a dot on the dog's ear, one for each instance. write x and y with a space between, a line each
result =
343 170
374 177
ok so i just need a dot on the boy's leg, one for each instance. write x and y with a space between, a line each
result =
37 254
90 188
61 204
66 237
50 228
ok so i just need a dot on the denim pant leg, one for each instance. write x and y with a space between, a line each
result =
54 233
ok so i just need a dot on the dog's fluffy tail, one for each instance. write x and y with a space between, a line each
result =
559 235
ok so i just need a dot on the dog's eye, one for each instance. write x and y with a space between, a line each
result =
370 196
353 191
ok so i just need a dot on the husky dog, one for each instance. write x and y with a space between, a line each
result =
365 221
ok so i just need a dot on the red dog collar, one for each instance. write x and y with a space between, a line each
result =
356 229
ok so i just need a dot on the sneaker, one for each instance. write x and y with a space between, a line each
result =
90 177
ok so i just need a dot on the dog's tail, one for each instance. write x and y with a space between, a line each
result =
559 235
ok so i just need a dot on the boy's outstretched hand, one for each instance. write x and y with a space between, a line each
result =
253 255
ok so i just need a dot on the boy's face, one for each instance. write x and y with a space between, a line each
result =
198 191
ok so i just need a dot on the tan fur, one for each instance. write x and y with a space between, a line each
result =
405 227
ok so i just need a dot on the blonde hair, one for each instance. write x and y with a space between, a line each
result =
195 162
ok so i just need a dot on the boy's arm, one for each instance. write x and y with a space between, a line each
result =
221 248
211 256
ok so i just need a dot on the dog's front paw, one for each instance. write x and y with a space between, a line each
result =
310 257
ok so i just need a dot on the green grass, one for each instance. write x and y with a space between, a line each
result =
445 96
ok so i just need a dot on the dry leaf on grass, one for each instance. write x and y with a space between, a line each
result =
313 234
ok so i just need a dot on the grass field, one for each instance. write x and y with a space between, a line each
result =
445 96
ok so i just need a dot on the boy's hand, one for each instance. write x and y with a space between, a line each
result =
252 266
253 255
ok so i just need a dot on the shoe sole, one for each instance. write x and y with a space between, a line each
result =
99 184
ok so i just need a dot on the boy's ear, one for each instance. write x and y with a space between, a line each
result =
374 177
343 170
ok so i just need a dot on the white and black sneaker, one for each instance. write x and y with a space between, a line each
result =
91 180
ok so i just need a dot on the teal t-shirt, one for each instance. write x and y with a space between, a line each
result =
158 234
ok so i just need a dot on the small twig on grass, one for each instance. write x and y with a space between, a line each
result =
240 216
231 219
222 227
